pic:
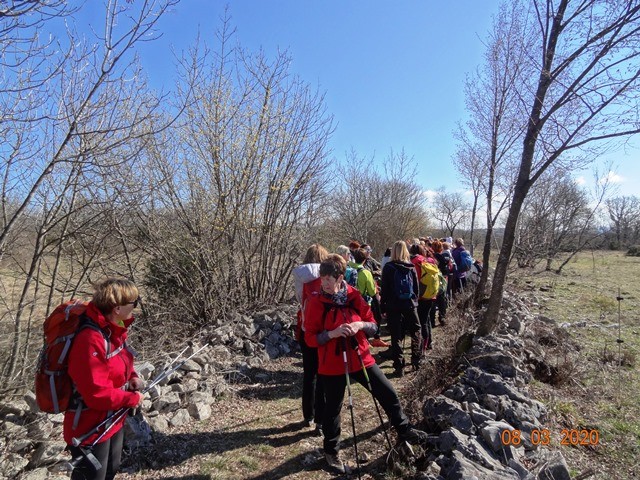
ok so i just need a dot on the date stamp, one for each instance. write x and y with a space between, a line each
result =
542 436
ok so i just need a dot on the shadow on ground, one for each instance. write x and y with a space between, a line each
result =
174 449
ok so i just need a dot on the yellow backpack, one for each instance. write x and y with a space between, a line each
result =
429 280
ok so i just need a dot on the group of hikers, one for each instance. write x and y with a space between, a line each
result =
344 298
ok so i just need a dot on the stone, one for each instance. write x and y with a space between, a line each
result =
450 439
137 432
190 366
30 400
491 432
201 397
159 424
444 413
555 468
199 411
37 474
179 418
520 469
47 452
168 402
459 467
144 370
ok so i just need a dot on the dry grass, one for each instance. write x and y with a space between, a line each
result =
602 380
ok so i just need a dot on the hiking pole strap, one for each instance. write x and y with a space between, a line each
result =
77 441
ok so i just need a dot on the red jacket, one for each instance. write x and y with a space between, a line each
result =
98 380
322 315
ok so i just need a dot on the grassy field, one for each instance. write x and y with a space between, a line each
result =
600 362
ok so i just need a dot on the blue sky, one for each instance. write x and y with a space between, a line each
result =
392 72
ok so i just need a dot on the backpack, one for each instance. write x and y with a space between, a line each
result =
447 265
465 261
442 288
352 276
403 283
430 279
53 387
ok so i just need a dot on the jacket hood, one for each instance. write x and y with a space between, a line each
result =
306 272
399 265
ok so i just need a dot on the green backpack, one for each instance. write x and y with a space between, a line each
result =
443 284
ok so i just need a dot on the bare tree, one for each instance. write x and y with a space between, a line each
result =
558 220
75 113
624 214
377 207
487 142
583 90
237 179
451 210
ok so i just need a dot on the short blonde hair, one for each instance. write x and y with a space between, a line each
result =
400 253
114 292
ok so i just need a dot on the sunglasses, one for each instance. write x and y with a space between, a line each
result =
135 302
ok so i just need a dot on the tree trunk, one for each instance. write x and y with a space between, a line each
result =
497 289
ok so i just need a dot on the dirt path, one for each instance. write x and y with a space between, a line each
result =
256 433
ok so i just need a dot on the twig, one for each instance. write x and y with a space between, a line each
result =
586 474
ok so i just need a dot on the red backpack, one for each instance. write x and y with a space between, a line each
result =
53 387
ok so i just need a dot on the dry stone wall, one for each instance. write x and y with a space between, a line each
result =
31 443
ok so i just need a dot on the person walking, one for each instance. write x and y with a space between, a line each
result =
105 382
460 277
399 295
307 283
338 322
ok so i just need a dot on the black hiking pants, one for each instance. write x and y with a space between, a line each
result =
427 315
441 302
312 390
108 453
383 391
399 323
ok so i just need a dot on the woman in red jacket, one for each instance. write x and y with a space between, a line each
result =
104 377
338 320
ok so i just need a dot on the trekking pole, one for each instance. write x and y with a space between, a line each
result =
353 421
354 343
118 414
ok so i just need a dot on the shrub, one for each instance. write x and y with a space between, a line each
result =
634 251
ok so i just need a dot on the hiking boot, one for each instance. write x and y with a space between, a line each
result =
378 342
398 372
336 464
442 322
413 435
318 430
416 364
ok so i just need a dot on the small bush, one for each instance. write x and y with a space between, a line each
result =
634 251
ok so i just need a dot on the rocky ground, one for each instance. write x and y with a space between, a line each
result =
234 412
